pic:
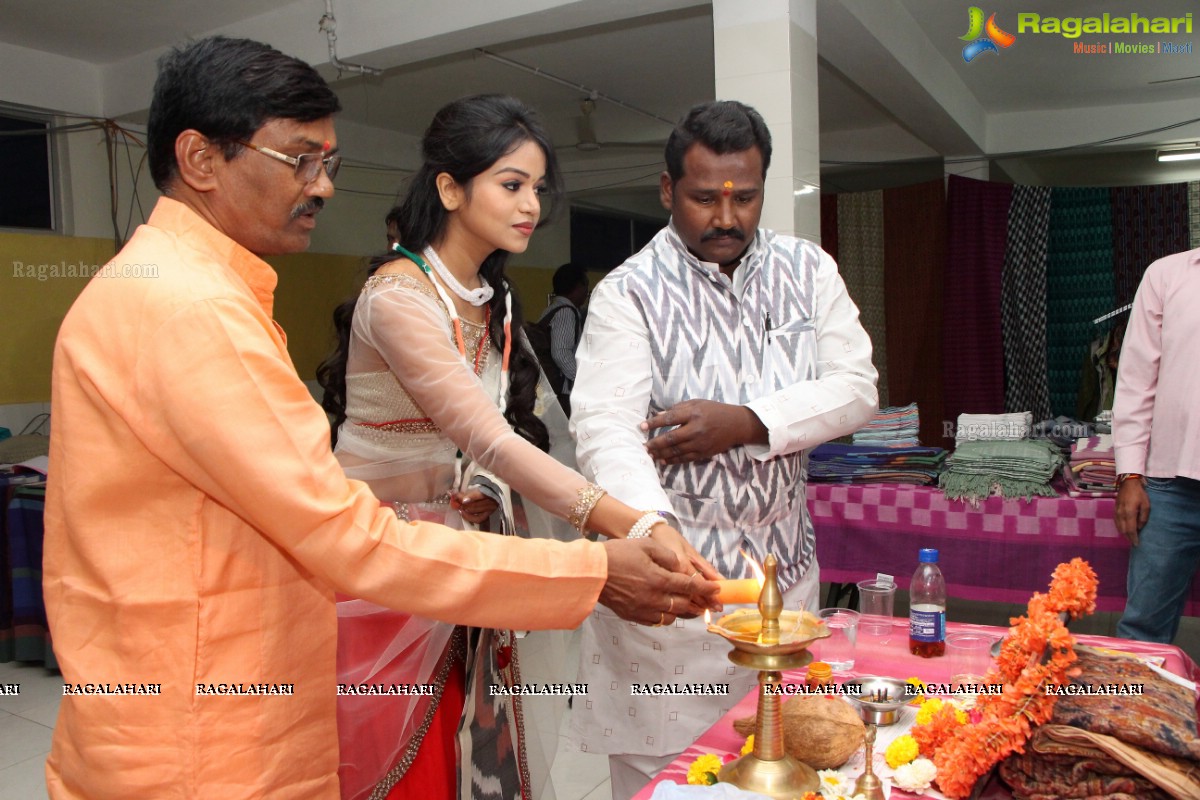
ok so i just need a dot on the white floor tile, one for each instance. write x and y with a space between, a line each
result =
25 780
21 739
601 792
44 714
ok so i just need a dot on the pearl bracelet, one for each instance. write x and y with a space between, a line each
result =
641 529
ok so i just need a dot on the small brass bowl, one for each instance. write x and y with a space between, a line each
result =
880 712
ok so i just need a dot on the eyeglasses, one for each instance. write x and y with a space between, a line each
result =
308 165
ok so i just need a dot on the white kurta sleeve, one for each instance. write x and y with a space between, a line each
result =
843 397
611 399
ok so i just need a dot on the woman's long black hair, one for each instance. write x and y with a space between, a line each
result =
465 138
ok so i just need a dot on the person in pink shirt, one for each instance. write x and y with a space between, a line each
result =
1156 431
197 524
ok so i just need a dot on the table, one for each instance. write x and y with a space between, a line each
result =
892 659
1002 551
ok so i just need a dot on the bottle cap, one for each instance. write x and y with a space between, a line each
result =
929 555
819 670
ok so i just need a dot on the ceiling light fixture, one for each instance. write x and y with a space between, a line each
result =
1189 152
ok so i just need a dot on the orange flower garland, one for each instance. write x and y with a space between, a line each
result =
941 726
1038 652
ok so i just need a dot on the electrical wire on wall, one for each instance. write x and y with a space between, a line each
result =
114 134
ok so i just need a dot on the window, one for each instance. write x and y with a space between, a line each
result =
25 201
601 241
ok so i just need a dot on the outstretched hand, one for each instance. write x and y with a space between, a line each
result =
705 428
690 561
645 586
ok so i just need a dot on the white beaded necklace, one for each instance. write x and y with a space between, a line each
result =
475 297
457 323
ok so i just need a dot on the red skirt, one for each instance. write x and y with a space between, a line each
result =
434 772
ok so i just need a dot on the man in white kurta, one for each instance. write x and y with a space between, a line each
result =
741 349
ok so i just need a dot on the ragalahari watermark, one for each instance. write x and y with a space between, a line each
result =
82 269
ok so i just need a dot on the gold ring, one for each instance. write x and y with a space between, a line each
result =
671 607
662 619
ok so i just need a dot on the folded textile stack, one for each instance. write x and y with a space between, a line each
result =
893 426
993 427
1009 468
861 463
1113 746
1092 469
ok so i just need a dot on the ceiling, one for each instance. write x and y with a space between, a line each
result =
893 85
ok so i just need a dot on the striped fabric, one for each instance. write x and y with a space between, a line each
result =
1079 285
732 500
24 633
1149 222
1023 302
860 247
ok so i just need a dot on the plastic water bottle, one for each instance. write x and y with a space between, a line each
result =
927 608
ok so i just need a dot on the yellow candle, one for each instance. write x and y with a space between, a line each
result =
743 590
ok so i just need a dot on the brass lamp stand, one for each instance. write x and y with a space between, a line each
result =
769 641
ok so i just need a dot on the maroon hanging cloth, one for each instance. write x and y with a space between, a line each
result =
914 258
972 338
1149 222
829 224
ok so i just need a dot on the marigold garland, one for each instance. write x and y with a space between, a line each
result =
1038 652
933 706
937 726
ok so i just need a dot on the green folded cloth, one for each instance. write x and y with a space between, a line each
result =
1021 468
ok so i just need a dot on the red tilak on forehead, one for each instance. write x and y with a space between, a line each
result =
728 185
327 146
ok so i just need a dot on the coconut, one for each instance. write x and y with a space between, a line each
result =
823 731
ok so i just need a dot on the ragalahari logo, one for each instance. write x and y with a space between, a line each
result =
981 38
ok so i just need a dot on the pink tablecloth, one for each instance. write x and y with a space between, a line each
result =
1002 551
893 660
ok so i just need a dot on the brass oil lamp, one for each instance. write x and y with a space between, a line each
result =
770 640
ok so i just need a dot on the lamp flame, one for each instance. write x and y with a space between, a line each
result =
759 575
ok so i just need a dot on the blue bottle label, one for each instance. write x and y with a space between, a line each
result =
927 626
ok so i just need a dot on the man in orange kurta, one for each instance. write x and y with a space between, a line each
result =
197 524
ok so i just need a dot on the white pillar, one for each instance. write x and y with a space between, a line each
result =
765 55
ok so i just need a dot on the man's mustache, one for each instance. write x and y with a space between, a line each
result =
311 207
732 233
